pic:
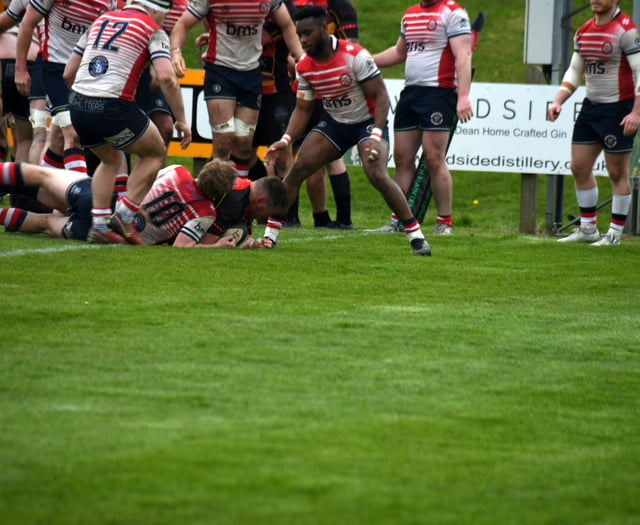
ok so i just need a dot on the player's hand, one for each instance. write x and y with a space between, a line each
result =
184 133
265 242
228 241
554 111
23 82
276 151
202 40
371 150
464 110
630 124
178 63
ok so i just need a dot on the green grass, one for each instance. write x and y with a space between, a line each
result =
334 380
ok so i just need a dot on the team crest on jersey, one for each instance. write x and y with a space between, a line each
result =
436 118
432 25
610 141
264 8
98 66
607 48
346 79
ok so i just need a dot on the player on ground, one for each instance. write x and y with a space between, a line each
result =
435 45
232 67
607 55
355 97
106 64
175 199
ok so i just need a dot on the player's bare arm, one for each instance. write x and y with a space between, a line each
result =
297 124
461 49
171 90
392 55
178 38
25 34
376 89
283 19
570 82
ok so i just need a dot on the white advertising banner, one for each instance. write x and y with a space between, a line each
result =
509 131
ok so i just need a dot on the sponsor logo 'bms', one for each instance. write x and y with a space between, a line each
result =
338 80
236 30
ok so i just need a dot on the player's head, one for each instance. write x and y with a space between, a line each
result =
311 26
215 180
268 196
156 8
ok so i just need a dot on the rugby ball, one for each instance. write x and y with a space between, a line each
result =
238 231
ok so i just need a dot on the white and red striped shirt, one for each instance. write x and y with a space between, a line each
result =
118 47
604 48
337 81
172 202
235 34
426 31
16 11
172 16
65 22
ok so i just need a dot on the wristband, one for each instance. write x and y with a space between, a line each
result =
376 134
286 138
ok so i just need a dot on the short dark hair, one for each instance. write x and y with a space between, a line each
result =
275 192
311 11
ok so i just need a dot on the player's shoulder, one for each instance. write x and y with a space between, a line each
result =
625 21
346 46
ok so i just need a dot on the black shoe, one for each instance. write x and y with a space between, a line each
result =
335 225
292 222
420 247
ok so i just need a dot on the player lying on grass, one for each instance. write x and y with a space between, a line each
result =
175 199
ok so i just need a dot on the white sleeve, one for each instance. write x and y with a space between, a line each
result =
364 66
196 228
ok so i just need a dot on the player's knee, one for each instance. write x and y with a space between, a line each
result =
244 129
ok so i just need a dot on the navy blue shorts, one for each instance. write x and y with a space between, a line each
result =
80 200
600 124
55 86
37 84
273 118
12 101
150 100
425 108
113 120
245 87
344 136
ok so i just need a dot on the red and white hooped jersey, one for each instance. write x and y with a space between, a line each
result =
65 22
115 51
235 34
337 81
604 48
16 11
172 16
426 31
172 202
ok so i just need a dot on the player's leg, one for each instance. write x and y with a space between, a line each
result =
222 123
245 121
341 188
434 146
317 193
394 196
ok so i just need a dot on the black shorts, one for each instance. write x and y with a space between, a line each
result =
150 100
425 108
12 101
344 136
113 120
37 84
80 201
55 86
600 124
245 87
273 118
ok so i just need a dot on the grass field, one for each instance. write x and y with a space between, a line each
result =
334 380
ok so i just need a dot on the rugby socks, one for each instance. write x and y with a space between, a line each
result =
74 160
619 211
341 186
11 174
52 160
242 166
274 225
120 186
127 208
394 220
321 219
99 218
444 219
412 229
3 153
587 202
12 218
